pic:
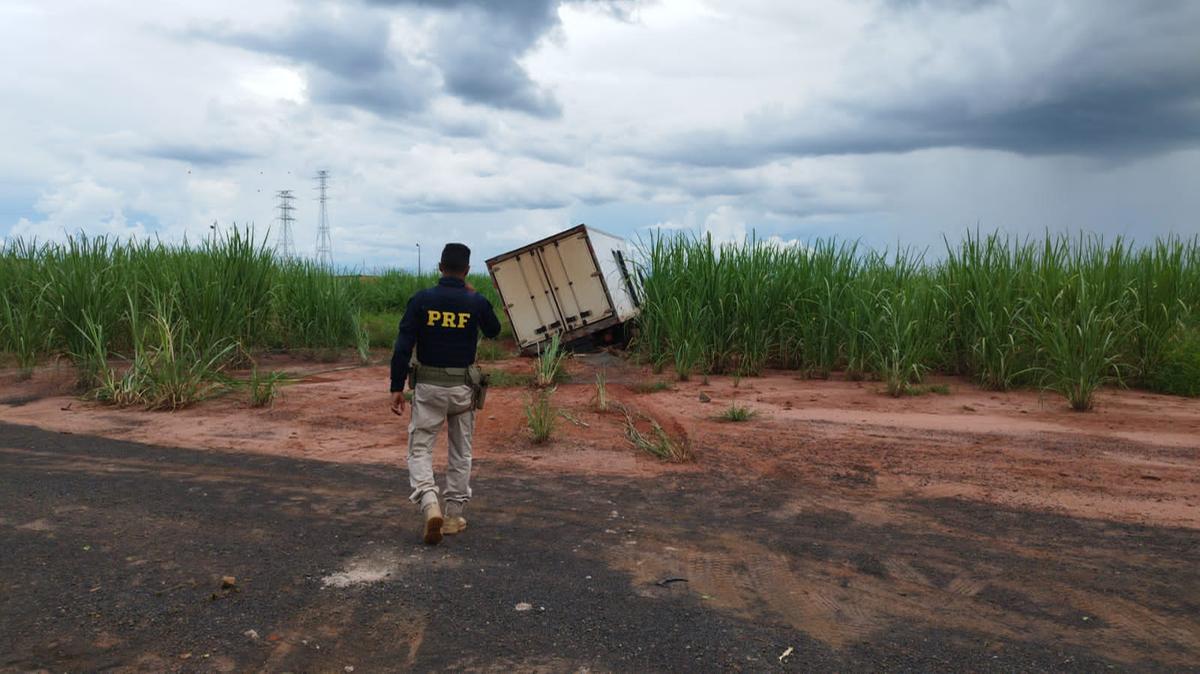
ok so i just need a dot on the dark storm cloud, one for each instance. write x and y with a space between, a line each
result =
1103 120
487 73
1129 87
475 48
197 155
391 92
348 56
348 44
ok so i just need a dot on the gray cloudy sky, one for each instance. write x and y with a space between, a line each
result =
498 122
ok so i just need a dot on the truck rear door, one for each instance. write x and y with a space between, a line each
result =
575 281
527 294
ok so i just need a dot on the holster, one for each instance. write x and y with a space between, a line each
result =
479 385
452 376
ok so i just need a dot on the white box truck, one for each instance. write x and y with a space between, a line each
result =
577 283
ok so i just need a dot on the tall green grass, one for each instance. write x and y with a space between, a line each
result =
548 367
1067 313
170 318
170 367
383 298
312 309
24 327
389 291
541 416
136 316
1180 372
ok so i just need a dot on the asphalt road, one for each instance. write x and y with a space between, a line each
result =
113 553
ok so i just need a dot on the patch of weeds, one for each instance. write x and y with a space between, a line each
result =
490 349
540 416
657 443
265 388
504 379
653 386
736 413
601 397
362 341
381 328
573 419
168 371
1179 373
548 368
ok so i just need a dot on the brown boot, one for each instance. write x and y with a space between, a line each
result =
455 522
433 523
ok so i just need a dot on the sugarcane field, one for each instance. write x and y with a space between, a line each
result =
599 336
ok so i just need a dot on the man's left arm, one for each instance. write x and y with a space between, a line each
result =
489 325
406 339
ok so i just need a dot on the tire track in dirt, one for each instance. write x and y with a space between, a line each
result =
842 602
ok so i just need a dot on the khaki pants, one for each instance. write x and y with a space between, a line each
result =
431 405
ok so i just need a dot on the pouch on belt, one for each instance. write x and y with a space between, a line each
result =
453 376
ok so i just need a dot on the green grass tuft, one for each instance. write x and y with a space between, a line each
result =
600 399
540 416
658 443
736 413
548 367
264 388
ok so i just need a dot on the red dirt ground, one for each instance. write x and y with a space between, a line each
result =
1134 459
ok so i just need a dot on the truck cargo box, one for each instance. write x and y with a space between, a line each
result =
575 283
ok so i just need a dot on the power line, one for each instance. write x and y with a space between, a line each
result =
285 245
324 241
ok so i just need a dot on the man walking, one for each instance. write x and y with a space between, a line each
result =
443 323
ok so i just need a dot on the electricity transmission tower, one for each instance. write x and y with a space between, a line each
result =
324 243
285 246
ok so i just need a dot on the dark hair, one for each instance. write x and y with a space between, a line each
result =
456 257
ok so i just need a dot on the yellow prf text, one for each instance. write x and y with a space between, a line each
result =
448 319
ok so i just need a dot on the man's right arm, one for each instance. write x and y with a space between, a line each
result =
406 339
